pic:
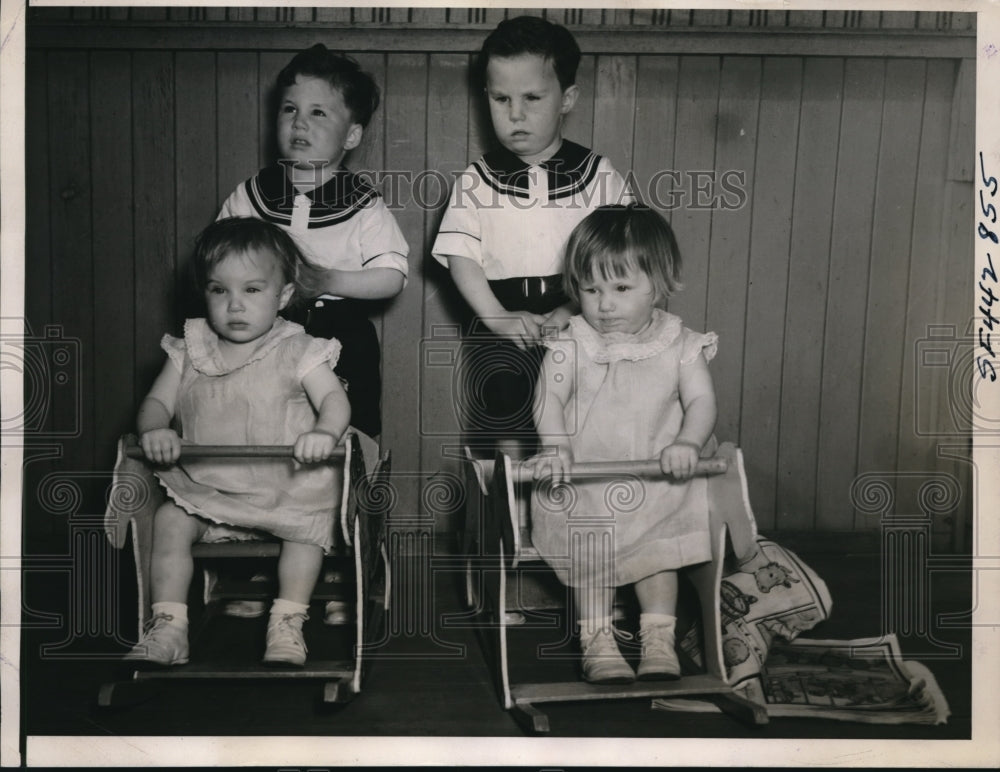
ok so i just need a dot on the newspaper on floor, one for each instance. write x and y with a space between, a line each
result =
864 680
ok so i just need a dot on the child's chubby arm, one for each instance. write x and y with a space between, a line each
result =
333 415
555 383
558 319
367 284
522 328
697 395
159 442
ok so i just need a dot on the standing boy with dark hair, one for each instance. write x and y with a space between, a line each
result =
508 218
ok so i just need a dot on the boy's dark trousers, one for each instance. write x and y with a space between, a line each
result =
360 360
499 378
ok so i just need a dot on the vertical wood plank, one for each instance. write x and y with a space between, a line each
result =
925 299
961 150
890 250
238 110
442 304
70 186
770 233
694 150
196 175
807 309
271 63
368 159
406 128
37 197
850 251
655 118
369 156
579 124
614 105
39 205
114 312
481 136
736 146
154 220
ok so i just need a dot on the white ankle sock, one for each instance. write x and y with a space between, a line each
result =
282 606
591 626
179 611
647 620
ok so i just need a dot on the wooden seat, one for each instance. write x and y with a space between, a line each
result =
357 568
500 554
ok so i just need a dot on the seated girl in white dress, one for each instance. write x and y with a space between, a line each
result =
626 380
242 376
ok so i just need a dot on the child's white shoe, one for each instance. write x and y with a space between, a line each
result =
337 612
285 644
247 609
603 663
659 659
162 642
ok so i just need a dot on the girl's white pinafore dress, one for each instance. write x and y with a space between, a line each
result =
261 402
624 405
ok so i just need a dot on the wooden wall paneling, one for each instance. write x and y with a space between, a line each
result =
481 137
887 285
154 216
578 126
962 161
114 310
710 18
954 414
809 19
369 156
333 14
850 248
869 19
239 107
925 295
39 205
38 266
196 172
736 148
614 109
899 20
621 17
694 150
39 202
70 187
766 296
406 130
447 130
428 16
655 119
808 273
271 63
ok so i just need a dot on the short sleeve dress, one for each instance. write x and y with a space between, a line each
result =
261 402
624 405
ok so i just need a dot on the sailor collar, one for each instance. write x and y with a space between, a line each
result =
273 193
569 170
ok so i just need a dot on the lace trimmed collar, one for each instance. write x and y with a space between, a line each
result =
203 345
662 331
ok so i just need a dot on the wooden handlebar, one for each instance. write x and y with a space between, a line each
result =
232 451
651 468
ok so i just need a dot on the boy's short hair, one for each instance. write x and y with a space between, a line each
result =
239 235
360 92
533 35
615 238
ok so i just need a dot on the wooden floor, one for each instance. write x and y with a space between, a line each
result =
433 679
